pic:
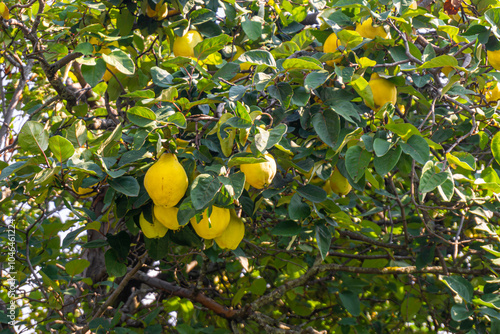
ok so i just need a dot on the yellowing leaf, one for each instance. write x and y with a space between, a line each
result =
404 130
365 62
461 159
4 11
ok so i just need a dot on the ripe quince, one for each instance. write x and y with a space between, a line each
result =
494 59
332 44
383 91
167 216
339 184
233 234
219 219
153 229
261 174
492 93
184 46
367 30
166 181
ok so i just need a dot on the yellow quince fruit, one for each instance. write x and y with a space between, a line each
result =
166 181
261 174
213 226
184 46
332 44
383 91
233 234
167 216
492 93
339 184
494 59
153 229
367 30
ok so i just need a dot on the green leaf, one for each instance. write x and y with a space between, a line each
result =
460 312
126 185
275 135
186 211
85 48
71 236
258 287
210 45
141 116
107 145
404 130
125 22
33 138
258 57
312 193
244 158
363 89
77 133
381 147
410 307
203 190
120 243
356 162
282 92
61 148
178 119
430 179
121 61
425 256
495 147
300 96
94 73
417 148
161 77
441 61
345 109
287 228
76 266
387 162
323 239
113 266
351 302
349 38
96 244
298 210
252 28
141 94
327 125
460 286
447 188
286 49
316 79
301 64
492 16
490 312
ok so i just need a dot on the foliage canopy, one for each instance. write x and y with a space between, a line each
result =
92 94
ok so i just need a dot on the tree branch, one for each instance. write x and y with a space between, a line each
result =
66 60
191 294
16 97
117 292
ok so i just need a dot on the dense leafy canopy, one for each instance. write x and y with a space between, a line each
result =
92 94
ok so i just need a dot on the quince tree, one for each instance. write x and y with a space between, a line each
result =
278 166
